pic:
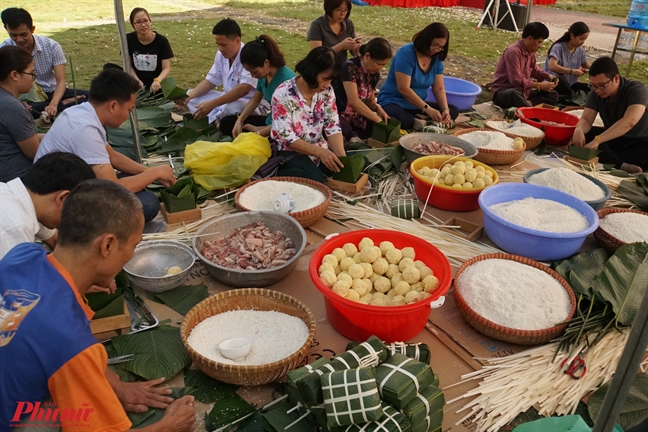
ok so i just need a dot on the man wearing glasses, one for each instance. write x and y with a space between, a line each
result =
48 59
621 102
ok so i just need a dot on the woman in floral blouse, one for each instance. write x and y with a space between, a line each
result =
354 90
305 119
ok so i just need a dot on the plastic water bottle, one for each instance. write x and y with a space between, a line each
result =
642 46
638 14
283 203
625 43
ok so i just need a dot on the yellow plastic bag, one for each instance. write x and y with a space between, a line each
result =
226 164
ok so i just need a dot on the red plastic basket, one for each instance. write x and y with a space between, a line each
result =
554 135
358 321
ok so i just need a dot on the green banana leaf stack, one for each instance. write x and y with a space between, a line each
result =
386 132
181 196
353 166
401 378
392 421
351 397
417 351
424 408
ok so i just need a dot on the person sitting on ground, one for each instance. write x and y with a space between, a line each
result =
227 71
567 60
416 67
19 139
80 130
335 30
149 51
622 103
305 120
518 81
265 62
48 351
355 87
49 60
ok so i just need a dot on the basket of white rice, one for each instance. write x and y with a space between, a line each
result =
495 148
531 135
589 189
281 328
513 299
310 198
618 227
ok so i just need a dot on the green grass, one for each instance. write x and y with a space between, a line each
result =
617 8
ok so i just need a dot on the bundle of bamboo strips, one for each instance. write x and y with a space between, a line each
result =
394 186
513 384
186 232
456 249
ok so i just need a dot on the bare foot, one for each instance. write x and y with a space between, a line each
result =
355 139
419 124
632 169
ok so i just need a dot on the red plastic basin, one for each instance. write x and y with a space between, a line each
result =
556 136
357 321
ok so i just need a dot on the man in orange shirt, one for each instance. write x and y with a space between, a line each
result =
46 347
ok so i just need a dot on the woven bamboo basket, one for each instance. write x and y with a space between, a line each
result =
531 142
248 299
507 334
305 218
606 240
494 157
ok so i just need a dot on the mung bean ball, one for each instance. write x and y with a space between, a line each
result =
325 267
346 263
398 277
330 259
366 241
448 180
423 295
402 288
350 249
456 185
430 284
488 173
385 246
368 269
366 299
419 264
368 284
406 262
425 272
408 252
379 301
418 287
357 258
468 164
412 297
446 169
338 270
398 300
344 276
479 183
470 175
392 269
479 169
369 254
353 295
488 181
380 266
374 277
339 254
356 271
394 256
328 278
382 285
411 275
467 185
359 286
459 179
458 169
341 288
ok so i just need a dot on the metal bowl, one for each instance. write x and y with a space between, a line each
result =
148 267
409 141
250 278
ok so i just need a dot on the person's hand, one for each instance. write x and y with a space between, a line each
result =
577 72
382 114
376 118
137 397
446 117
164 174
237 129
180 415
108 290
434 114
547 86
329 159
203 110
51 110
579 138
592 145
350 44
155 87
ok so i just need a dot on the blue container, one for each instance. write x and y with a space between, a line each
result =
638 14
530 243
459 92
597 204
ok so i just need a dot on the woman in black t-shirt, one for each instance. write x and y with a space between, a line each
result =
150 52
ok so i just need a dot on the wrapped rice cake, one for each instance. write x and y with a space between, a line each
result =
391 421
351 397
427 401
401 378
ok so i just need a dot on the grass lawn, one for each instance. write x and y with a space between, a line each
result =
617 8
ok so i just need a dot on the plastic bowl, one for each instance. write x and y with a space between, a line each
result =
556 136
530 243
596 204
442 196
409 141
357 321
459 92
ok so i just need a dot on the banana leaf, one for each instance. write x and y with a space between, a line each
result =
180 197
98 301
124 375
386 132
205 388
114 308
624 280
158 352
183 298
35 94
353 166
251 424
581 270
154 415
229 409
153 117
190 122
277 419
642 181
635 407
171 91
179 140
634 192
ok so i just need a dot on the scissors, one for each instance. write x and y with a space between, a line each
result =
577 368
121 359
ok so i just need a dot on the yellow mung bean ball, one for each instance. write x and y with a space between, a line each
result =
392 270
338 270
353 295
408 252
488 181
330 259
390 293
434 172
368 284
411 275
328 278
418 287
393 256
398 300
480 169
448 180
382 285
425 272
346 263
430 284
469 164
470 175
344 276
385 246
380 266
404 263
467 185
446 169
339 254
459 179
518 143
458 170
350 249
479 183
412 297
423 295
325 267
360 286
422 172
456 185
366 241
366 299
379 301
402 288
374 277
398 277
489 173
418 264
341 288
368 269
370 254
356 271
357 258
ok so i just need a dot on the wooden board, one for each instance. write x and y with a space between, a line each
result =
349 187
105 328
183 216
468 230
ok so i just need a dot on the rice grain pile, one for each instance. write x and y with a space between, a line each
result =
598 121
516 128
541 214
568 181
261 196
274 335
514 295
489 140
627 226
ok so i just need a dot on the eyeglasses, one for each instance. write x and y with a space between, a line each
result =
33 74
599 86
139 23
342 11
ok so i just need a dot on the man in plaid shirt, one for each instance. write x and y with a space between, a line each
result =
48 59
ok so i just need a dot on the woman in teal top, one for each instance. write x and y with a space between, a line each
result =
415 68
265 61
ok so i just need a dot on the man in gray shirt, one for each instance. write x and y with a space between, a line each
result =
622 103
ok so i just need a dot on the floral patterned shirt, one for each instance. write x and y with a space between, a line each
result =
354 71
293 118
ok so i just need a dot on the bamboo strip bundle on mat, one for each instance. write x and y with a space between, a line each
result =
456 249
513 384
186 231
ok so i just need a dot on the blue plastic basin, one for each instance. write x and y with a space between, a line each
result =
530 243
596 204
459 92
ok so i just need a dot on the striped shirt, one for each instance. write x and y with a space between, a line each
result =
47 53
